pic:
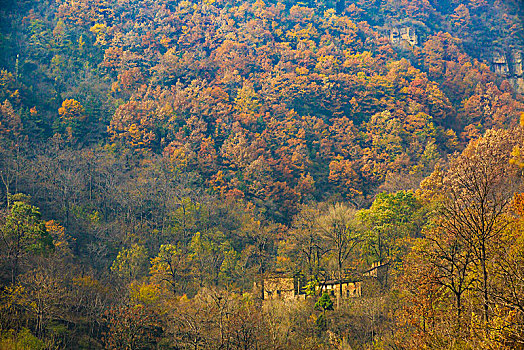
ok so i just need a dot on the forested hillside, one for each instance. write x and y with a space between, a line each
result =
159 159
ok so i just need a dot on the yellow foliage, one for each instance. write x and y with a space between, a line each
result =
184 299
247 100
81 42
60 238
517 157
144 293
13 296
259 4
101 39
302 70
181 157
331 14
98 27
165 41
302 34
72 110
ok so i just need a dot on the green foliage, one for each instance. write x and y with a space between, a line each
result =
171 266
23 340
24 227
219 134
311 287
390 219
131 263
213 258
393 209
23 235
324 303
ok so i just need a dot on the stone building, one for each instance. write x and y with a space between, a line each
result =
349 289
281 287
278 286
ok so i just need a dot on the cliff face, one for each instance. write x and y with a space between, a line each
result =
510 65
517 78
402 35
490 30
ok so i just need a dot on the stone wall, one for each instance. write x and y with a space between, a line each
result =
349 289
281 288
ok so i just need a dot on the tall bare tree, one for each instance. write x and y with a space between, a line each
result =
479 187
339 230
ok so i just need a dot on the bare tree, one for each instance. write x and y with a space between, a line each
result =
340 233
452 264
305 244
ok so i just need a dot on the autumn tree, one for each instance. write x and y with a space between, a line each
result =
466 248
508 289
305 248
324 303
131 263
170 266
131 327
23 234
72 120
479 185
390 219
453 267
215 318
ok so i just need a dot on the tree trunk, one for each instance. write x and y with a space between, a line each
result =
485 284
459 310
339 299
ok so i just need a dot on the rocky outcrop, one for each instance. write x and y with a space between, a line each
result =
403 35
511 66
518 71
499 63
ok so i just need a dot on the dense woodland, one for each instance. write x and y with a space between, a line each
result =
157 158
